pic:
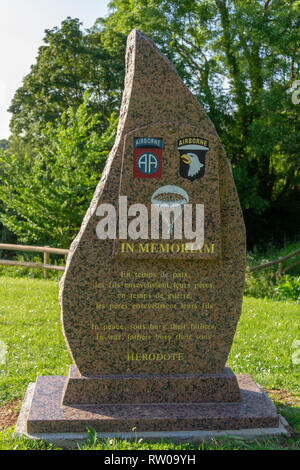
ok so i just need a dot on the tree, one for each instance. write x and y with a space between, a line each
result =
45 197
70 63
240 58
3 144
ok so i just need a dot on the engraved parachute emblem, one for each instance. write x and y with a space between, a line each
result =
170 200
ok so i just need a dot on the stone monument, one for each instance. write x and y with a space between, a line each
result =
154 281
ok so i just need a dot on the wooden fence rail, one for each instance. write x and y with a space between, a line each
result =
279 261
47 251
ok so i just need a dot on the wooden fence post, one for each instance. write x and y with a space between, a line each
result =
46 261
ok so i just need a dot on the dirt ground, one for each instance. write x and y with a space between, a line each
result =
9 413
283 396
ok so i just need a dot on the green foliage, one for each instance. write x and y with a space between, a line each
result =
260 284
45 198
91 437
70 63
266 283
288 289
3 144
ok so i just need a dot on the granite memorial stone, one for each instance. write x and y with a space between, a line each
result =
154 281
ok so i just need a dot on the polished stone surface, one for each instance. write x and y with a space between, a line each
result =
69 440
47 415
155 388
125 313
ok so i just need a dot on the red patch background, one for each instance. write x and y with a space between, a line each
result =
137 152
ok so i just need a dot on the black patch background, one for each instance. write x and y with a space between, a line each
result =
184 167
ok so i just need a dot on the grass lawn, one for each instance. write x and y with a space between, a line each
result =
31 331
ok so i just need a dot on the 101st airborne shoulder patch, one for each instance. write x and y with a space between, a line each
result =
193 152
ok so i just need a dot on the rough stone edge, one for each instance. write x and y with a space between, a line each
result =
21 426
68 440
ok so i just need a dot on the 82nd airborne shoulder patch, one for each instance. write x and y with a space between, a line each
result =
147 157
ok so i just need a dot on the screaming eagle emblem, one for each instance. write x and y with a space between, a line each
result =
193 151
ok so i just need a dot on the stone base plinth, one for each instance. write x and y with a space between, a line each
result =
46 416
69 439
156 388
